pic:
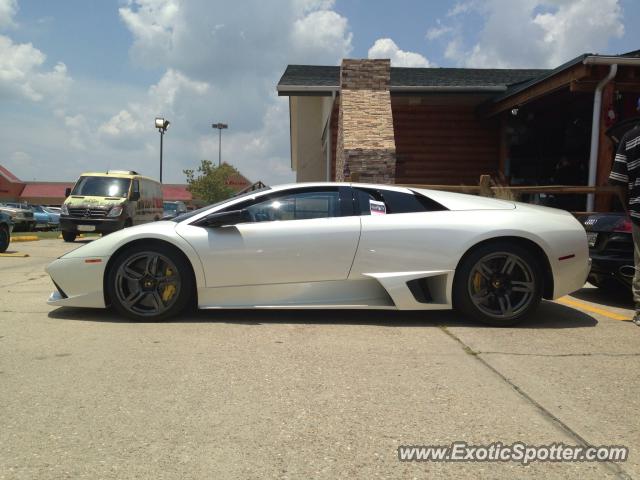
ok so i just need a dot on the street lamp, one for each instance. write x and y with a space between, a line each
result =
161 125
220 127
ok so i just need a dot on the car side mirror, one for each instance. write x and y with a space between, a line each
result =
221 219
67 191
135 196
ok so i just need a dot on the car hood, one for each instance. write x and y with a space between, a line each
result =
85 201
461 201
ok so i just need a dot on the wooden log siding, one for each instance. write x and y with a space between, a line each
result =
444 144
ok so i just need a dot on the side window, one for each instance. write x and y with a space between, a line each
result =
297 206
395 202
136 186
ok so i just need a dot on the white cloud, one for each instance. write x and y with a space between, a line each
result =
322 31
387 48
128 127
221 64
462 7
438 31
22 73
8 9
537 33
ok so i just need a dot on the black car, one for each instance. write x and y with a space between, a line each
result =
6 226
610 249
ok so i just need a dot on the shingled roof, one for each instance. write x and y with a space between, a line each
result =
325 78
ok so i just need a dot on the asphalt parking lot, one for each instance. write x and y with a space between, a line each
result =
304 394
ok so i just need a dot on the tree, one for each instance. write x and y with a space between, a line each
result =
210 182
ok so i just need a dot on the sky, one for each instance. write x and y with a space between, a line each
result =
81 81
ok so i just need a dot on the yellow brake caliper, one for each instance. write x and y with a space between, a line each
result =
169 290
477 282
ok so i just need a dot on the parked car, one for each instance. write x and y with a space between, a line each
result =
105 202
6 227
45 218
611 250
173 209
334 245
22 218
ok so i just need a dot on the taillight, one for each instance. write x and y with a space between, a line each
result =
623 225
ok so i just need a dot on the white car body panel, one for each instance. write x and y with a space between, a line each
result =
294 251
342 262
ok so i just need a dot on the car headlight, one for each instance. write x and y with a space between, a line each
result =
115 211
64 209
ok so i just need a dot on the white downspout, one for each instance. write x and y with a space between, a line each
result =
595 133
329 146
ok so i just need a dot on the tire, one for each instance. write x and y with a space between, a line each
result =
141 291
128 223
499 284
5 238
69 236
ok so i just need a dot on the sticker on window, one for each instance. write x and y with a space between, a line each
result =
377 208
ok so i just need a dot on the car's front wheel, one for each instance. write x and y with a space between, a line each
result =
499 284
149 283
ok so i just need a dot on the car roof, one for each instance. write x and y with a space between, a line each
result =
288 186
117 175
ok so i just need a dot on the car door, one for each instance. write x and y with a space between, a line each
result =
401 232
296 235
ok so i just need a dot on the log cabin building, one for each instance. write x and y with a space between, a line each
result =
369 121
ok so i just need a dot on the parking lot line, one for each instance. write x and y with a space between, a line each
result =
589 308
14 254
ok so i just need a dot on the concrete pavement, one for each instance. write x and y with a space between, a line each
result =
299 394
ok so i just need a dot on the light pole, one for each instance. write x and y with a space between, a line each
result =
161 125
220 127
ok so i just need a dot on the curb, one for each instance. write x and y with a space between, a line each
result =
25 238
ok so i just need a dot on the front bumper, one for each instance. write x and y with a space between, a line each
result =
78 283
102 225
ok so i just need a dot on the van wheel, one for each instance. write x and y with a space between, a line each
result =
4 238
69 236
128 223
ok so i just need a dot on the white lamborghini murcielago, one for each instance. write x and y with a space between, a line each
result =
334 245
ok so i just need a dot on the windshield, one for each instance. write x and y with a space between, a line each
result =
102 187
171 207
193 213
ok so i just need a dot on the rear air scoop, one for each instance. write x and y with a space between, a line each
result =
460 201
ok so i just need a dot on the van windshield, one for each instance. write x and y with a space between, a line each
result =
102 187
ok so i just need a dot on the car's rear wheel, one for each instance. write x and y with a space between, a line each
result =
69 236
149 283
499 284
4 238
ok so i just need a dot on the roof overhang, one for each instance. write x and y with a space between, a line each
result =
306 90
298 90
577 75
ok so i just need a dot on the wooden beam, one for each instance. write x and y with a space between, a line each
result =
590 86
605 148
557 82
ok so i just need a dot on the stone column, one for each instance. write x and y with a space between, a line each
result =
366 149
